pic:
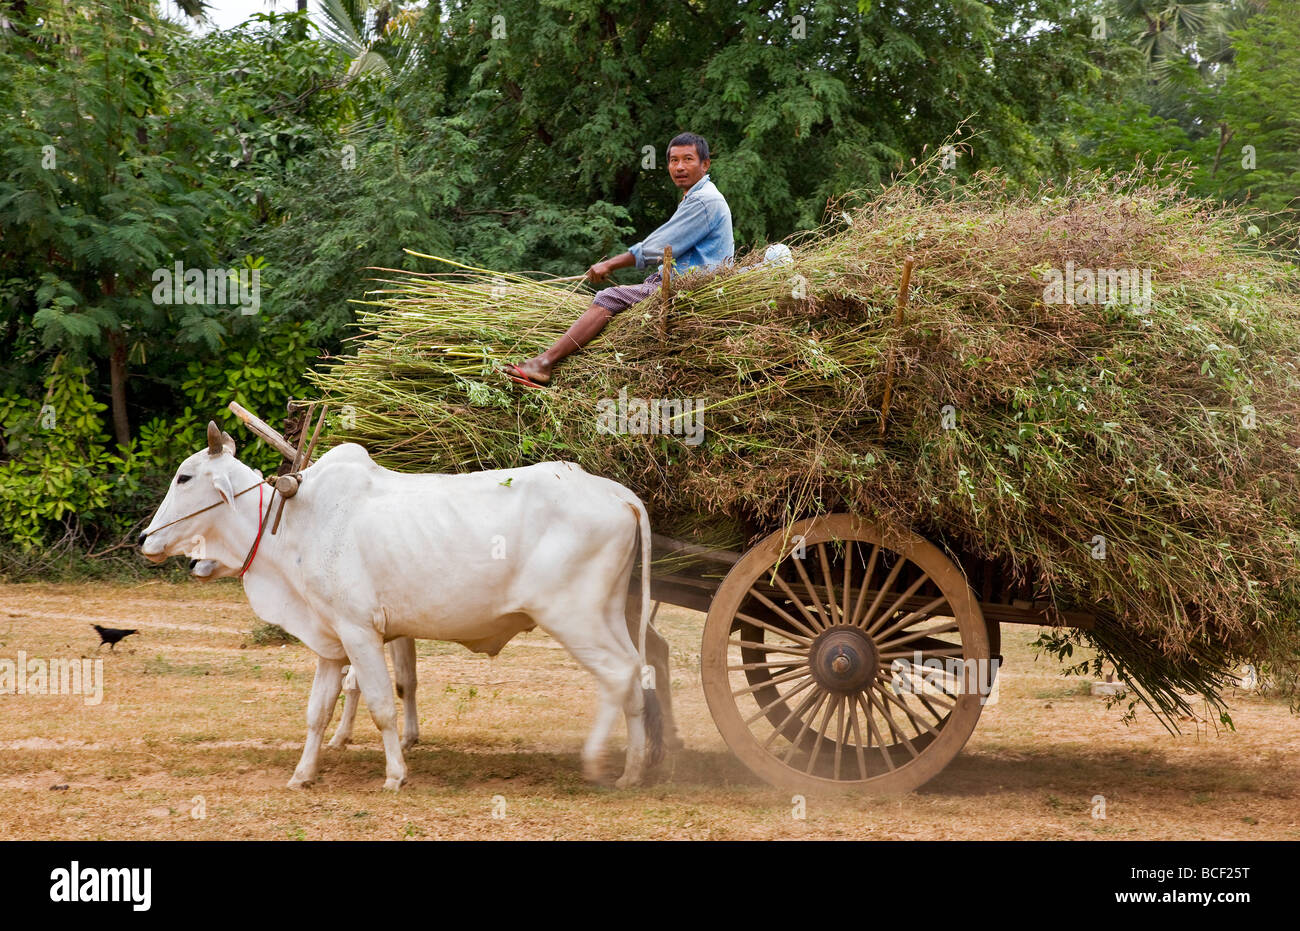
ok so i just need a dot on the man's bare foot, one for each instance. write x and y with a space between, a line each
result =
536 369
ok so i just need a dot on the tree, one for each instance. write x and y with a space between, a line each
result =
1170 30
799 107
1256 160
95 198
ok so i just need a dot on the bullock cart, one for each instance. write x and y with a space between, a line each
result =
838 655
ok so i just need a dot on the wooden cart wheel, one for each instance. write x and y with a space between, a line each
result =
860 667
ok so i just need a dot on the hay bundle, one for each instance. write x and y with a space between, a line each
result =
1134 458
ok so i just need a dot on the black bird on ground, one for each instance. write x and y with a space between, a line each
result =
111 635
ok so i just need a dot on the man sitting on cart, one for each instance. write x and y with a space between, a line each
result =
699 233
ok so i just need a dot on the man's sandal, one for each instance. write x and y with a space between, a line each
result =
519 377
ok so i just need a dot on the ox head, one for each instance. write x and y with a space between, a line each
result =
181 524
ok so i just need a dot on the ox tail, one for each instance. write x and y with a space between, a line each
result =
654 718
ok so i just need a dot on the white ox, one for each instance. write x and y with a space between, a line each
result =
365 555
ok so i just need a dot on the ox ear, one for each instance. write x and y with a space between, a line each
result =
227 442
221 482
215 447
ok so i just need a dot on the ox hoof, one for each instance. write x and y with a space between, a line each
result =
393 783
338 743
626 780
596 771
302 782
410 742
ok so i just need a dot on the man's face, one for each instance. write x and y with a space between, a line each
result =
685 166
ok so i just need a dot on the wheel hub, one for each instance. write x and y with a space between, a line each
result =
844 659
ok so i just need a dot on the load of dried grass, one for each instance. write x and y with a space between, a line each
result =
1133 458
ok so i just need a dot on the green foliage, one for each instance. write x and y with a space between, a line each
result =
1224 77
798 108
60 475
56 468
97 194
1259 107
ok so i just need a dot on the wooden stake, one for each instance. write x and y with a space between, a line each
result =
297 463
666 293
324 409
903 289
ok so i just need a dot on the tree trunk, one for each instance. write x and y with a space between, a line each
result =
117 381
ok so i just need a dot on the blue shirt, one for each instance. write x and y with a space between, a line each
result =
699 232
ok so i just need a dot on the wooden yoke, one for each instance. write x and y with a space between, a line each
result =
300 458
263 429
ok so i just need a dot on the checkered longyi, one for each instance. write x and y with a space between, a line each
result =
621 297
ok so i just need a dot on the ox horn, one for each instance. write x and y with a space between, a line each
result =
216 445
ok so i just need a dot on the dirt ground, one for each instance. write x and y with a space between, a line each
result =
199 729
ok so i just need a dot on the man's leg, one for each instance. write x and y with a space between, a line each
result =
583 331
606 304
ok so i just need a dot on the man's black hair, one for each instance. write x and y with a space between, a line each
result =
701 147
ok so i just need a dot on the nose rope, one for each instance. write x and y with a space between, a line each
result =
261 481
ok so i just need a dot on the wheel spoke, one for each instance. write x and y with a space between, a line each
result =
779 699
925 700
923 654
916 723
857 739
842 734
917 635
941 686
830 585
789 593
767 647
873 731
924 613
790 751
797 712
772 606
812 594
805 641
848 578
775 680
779 664
866 583
898 603
880 595
821 732
893 725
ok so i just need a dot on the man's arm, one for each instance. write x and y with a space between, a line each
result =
601 270
684 229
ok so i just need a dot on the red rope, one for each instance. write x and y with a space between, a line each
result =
261 521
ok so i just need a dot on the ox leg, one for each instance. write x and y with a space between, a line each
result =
657 651
637 752
366 651
320 708
604 650
351 698
402 653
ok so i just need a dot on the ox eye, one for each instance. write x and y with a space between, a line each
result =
182 479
